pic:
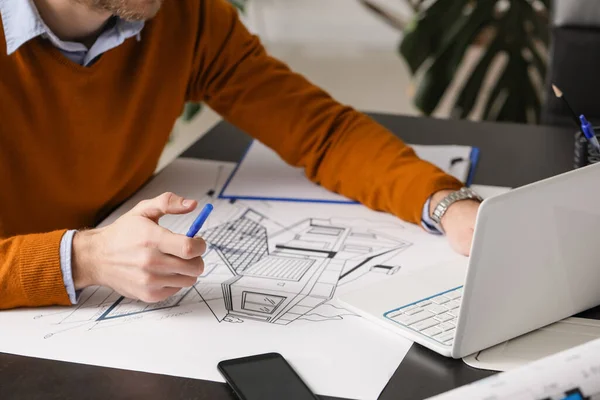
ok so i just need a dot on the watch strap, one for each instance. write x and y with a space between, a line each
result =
441 208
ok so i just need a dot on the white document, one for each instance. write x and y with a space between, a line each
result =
272 270
532 346
572 374
262 174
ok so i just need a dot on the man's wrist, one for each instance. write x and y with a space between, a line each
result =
457 197
82 266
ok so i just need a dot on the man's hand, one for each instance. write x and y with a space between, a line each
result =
458 222
138 258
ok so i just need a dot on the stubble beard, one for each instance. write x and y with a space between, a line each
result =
130 10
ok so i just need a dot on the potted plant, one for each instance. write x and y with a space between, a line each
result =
436 40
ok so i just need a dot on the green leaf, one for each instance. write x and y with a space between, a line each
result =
443 32
239 4
513 94
190 110
532 97
499 88
424 35
442 71
470 91
514 106
536 59
540 25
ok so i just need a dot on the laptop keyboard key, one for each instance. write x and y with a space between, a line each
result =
440 300
444 337
452 305
436 309
413 311
413 319
444 317
422 325
395 314
446 326
431 332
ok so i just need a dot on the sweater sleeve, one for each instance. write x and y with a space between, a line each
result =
340 148
30 273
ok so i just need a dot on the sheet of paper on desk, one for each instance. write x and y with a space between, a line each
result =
572 374
262 174
272 270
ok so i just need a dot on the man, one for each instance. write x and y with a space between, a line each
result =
89 92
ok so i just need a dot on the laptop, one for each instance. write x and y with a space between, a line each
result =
535 260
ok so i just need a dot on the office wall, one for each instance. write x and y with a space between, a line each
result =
344 23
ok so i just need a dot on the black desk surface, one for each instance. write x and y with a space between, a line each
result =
511 155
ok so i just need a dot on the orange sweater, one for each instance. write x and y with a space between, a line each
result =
76 141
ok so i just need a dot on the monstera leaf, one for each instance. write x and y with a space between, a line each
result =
435 42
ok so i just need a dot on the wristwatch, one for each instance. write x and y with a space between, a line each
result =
462 194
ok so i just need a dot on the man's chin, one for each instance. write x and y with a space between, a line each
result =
143 12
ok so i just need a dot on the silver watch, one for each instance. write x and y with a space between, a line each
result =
462 194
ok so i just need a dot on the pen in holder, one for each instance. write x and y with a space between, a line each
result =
585 153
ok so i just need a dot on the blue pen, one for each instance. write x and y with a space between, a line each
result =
200 220
589 133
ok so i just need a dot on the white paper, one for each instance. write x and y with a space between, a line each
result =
262 174
336 352
442 156
570 374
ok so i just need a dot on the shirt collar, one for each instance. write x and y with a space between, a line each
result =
23 23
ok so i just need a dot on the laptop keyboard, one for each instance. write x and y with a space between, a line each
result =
434 317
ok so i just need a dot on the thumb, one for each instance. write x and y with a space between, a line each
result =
166 203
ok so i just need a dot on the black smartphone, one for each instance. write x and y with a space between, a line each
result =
264 377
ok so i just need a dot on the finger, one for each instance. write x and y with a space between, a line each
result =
179 245
176 281
157 295
166 203
169 265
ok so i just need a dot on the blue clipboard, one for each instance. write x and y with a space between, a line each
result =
473 160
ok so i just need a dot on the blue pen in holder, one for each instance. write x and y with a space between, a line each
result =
585 153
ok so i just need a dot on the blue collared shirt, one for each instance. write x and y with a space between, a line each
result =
23 23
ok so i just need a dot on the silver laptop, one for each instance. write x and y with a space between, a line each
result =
535 260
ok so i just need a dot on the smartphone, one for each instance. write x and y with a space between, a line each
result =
264 377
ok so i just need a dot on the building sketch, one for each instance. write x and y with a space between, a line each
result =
280 277
257 269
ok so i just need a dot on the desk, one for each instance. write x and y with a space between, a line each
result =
511 155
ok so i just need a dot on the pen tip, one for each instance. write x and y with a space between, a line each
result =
557 91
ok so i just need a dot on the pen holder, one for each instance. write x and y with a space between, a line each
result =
585 153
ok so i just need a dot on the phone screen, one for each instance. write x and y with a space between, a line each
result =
264 377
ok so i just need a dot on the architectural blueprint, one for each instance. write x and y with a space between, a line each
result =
272 270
